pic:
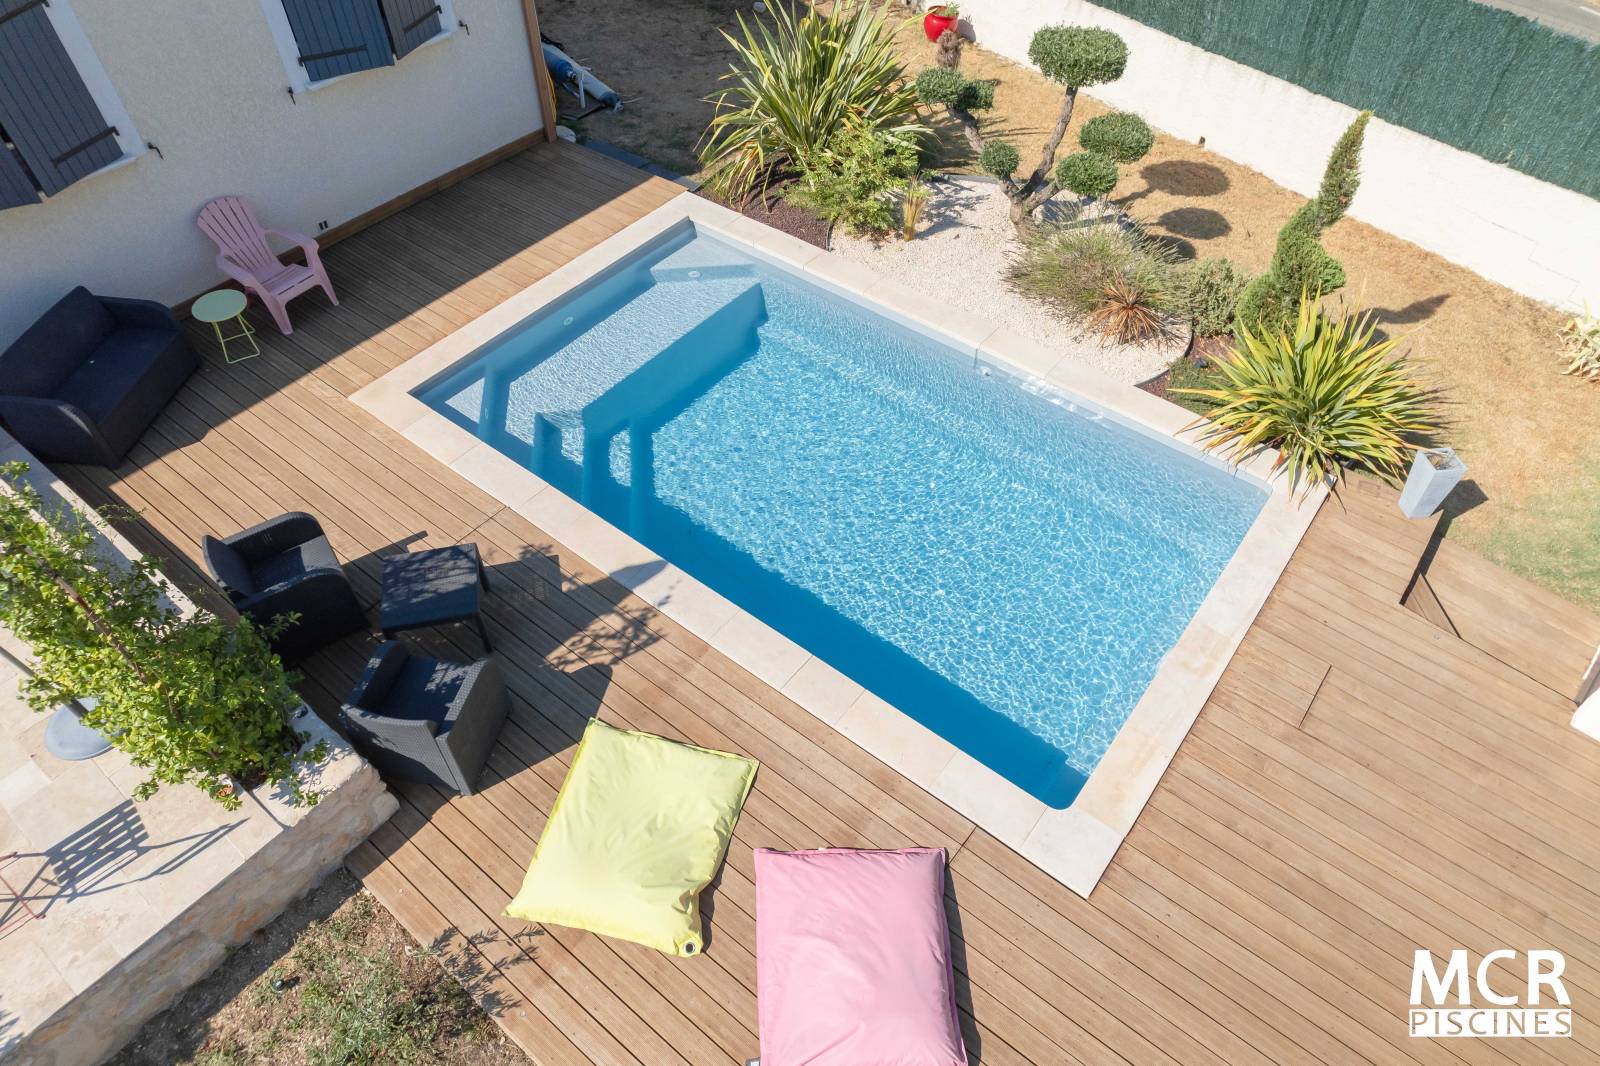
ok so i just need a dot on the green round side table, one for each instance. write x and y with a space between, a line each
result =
223 305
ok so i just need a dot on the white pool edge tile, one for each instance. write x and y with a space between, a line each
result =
1074 845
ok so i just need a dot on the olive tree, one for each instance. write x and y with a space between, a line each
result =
1074 57
191 699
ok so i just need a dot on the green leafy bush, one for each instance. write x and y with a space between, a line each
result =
855 181
1078 56
795 82
1087 174
1121 136
190 699
1299 263
1582 336
1209 290
1328 394
1099 275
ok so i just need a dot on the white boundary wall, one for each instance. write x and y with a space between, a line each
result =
1513 229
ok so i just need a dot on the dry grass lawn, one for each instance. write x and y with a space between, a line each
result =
353 989
1527 433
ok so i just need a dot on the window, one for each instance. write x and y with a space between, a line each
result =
324 39
60 121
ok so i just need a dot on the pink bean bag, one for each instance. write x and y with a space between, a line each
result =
853 959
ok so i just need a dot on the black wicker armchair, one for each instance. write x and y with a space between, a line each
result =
85 381
426 720
282 566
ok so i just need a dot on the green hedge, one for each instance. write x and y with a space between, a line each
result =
1479 78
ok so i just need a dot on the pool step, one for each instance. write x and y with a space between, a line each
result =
702 260
558 387
568 403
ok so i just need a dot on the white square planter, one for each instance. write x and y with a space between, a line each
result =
1434 472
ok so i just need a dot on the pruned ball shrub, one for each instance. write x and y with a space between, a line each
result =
1119 135
1087 174
1078 56
1000 159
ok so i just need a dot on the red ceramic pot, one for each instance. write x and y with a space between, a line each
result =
933 23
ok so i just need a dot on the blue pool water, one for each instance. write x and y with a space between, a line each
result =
1004 566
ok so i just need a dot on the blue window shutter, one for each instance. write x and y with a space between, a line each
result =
338 36
44 105
411 22
16 188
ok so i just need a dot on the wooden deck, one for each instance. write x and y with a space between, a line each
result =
1362 783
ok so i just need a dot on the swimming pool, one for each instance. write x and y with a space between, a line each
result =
1001 561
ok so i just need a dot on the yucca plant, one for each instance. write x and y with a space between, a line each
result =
1129 314
795 83
1582 334
1327 394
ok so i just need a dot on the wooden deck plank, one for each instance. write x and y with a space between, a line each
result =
1360 785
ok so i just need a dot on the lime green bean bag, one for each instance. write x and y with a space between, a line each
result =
639 828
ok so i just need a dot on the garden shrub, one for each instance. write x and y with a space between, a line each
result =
1299 263
1582 336
798 78
1327 393
192 699
1209 290
855 181
1101 275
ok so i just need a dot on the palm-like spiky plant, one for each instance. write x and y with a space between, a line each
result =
1327 394
795 83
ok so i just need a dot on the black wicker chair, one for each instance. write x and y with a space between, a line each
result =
286 565
85 381
426 720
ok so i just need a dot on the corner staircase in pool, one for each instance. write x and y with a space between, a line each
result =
583 414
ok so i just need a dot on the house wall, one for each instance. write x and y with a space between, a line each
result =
207 84
1526 234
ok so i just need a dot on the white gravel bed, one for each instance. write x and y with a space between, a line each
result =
963 245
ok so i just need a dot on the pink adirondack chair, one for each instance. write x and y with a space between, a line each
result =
244 255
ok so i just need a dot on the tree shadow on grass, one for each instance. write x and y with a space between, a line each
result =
1199 223
1179 177
1412 313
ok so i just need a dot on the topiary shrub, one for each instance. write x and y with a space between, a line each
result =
1078 56
1209 291
1119 135
1299 262
1087 174
1074 57
1000 159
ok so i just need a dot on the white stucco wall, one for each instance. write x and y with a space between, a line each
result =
206 83
1524 233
